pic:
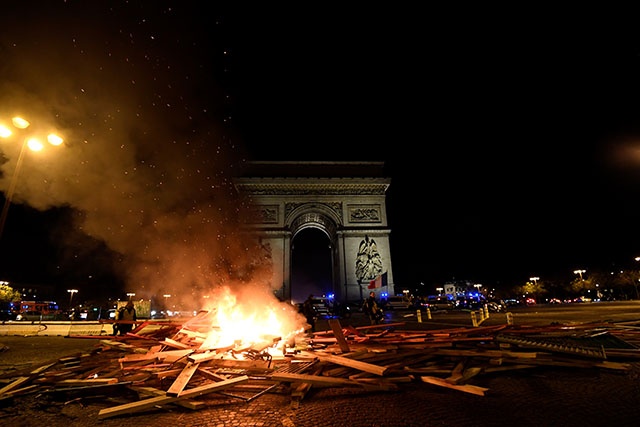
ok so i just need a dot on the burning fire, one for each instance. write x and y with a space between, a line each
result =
241 320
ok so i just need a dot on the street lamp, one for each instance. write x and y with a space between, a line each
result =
71 291
439 291
580 273
535 280
34 144
130 295
166 298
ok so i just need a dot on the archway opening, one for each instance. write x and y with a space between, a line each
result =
311 271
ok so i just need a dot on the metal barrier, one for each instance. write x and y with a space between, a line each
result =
52 328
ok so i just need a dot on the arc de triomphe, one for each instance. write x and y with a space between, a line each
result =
345 200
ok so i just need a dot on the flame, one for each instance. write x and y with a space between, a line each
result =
240 320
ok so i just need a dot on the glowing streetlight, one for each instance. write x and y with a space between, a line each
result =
535 280
439 291
34 144
579 272
166 299
131 295
71 292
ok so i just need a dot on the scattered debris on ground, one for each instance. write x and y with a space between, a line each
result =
167 363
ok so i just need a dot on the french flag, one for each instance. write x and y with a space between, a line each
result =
378 282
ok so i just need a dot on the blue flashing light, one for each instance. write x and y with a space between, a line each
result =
384 294
331 296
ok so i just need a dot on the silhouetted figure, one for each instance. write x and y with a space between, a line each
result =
371 308
128 313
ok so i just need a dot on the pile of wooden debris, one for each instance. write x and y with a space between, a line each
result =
164 363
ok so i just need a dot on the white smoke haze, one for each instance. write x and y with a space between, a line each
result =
146 165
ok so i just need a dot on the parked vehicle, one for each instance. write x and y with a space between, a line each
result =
396 302
439 303
496 306
36 316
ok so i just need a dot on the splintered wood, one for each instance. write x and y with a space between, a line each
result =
172 365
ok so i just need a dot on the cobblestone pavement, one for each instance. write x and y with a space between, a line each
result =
542 396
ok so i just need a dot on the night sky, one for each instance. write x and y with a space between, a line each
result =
512 144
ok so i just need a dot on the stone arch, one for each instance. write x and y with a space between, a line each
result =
345 200
314 215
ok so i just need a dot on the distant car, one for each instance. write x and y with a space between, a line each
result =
439 303
34 315
496 306
396 302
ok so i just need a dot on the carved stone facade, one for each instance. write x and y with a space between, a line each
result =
346 200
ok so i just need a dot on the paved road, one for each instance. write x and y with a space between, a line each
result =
617 311
545 396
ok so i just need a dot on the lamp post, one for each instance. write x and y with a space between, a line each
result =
166 298
33 144
131 295
535 280
579 272
478 293
71 292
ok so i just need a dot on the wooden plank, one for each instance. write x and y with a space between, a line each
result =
183 379
134 358
213 387
21 380
331 382
152 402
456 373
130 408
172 356
472 389
17 392
15 383
175 344
487 353
204 357
355 364
300 391
91 381
337 332
152 391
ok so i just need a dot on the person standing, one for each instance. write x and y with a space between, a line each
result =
127 314
371 308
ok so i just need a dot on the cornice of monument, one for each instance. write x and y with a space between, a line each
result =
312 169
285 186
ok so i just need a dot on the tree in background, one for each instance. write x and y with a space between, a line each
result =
629 277
533 289
7 293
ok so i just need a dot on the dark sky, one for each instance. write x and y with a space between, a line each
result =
512 144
